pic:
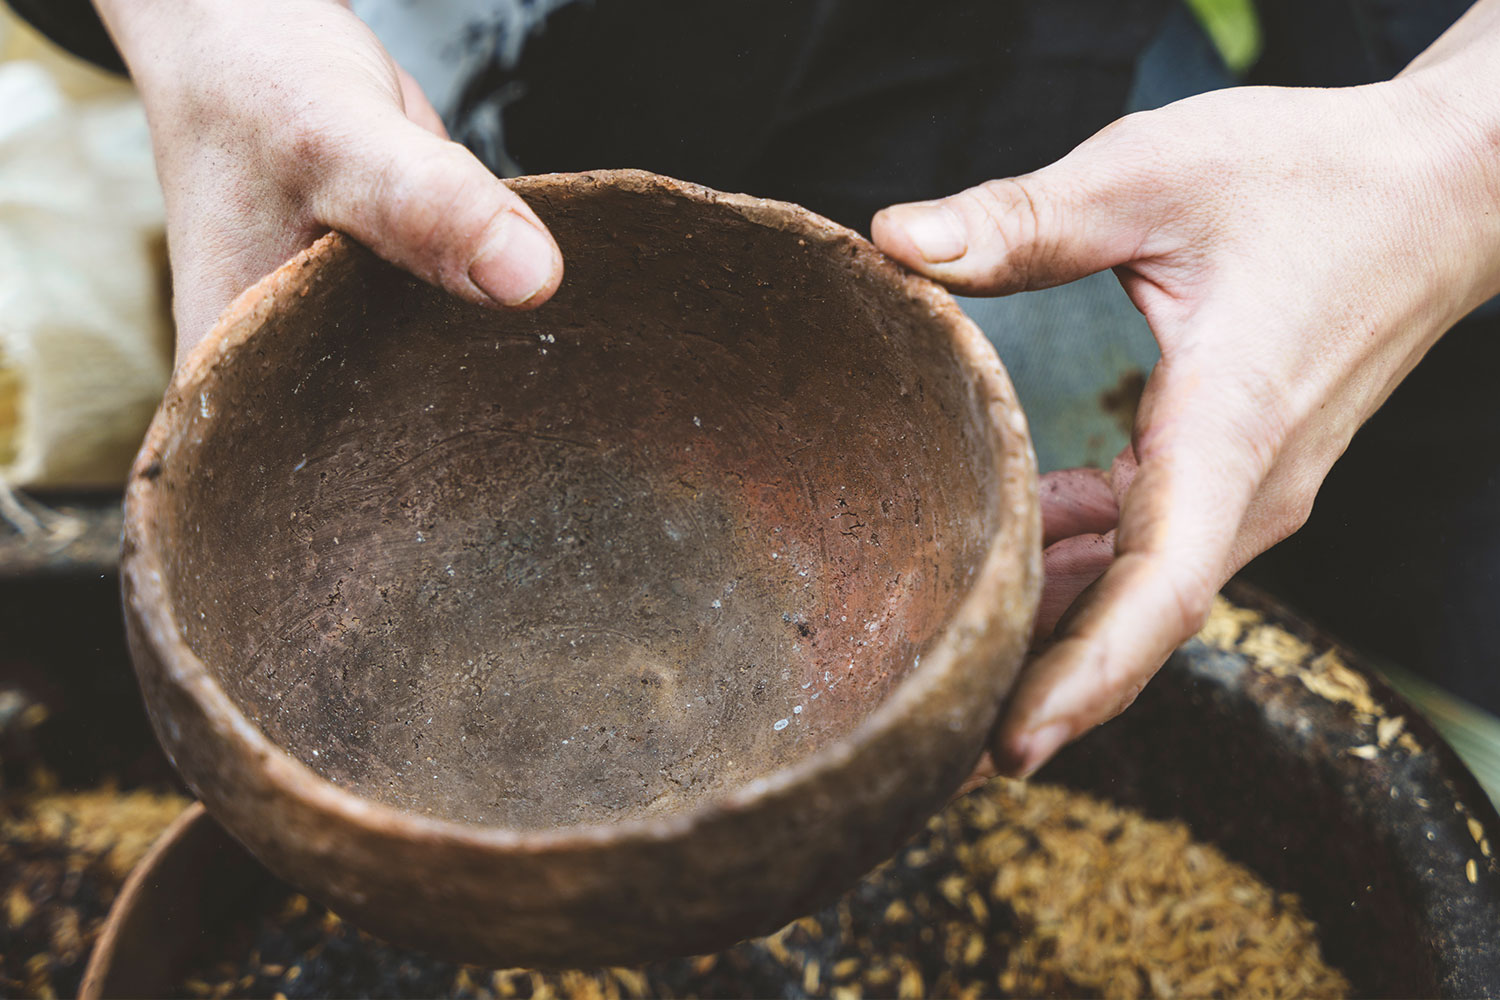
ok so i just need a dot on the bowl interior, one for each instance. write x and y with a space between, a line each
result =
677 529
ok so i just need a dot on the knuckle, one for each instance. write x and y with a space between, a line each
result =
425 208
1192 598
1009 206
1136 137
1125 697
1017 216
307 148
402 194
1121 684
1170 141
1292 516
1298 517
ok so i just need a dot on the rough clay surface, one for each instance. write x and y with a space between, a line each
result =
629 557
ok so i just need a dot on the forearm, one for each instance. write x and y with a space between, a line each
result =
1458 78
159 39
1472 35
131 25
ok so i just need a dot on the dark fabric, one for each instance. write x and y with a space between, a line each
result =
842 105
1401 556
848 105
1342 43
73 25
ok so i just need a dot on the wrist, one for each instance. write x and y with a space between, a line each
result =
1455 85
156 37
1451 114
151 34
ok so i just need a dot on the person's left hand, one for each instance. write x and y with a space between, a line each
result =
1295 252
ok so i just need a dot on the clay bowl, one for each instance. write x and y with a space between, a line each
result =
626 627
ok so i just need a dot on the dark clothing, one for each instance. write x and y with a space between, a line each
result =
74 26
841 105
1401 556
848 105
1343 43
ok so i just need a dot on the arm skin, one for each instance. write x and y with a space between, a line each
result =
1296 253
276 120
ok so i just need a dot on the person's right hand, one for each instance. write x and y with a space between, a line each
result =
1296 253
276 120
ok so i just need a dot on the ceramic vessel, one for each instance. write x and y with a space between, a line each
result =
625 627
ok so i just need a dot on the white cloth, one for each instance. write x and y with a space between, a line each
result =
84 335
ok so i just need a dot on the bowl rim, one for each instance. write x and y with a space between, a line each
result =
1010 572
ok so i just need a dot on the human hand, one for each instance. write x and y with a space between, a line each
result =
1295 252
277 120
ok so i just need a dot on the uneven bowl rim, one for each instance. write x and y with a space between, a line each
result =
998 584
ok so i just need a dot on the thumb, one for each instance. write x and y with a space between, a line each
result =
1021 233
428 205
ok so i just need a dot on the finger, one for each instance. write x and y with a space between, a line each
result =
983 771
1196 475
432 208
1122 473
1042 229
1076 502
418 108
1068 568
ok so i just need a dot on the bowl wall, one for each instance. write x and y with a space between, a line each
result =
667 534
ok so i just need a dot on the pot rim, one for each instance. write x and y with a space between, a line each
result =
1010 573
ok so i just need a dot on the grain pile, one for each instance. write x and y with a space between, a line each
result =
1015 890
83 790
1136 908
63 857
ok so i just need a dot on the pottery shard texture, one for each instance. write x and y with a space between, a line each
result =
635 556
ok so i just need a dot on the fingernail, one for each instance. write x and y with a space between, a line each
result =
1035 748
936 231
516 263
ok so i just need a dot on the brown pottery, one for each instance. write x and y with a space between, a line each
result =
625 627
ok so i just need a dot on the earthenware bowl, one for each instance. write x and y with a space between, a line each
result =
624 627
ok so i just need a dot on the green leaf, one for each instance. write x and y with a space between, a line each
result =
1234 28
